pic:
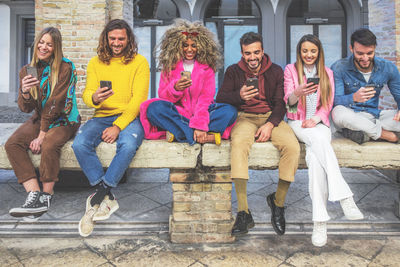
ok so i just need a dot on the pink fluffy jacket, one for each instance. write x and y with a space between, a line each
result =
192 103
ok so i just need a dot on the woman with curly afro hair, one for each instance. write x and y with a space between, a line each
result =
185 111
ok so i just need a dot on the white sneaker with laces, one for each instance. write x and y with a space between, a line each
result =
350 209
86 224
107 207
319 234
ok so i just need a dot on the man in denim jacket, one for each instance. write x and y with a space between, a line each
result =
359 80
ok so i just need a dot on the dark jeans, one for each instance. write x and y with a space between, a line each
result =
165 116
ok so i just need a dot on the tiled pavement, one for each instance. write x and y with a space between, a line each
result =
146 199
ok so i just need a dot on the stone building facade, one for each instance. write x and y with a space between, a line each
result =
81 22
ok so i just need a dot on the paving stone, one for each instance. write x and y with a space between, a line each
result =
113 247
135 204
326 258
7 258
9 199
359 246
237 259
389 256
162 193
379 204
159 214
145 259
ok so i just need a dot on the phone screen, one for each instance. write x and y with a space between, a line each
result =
186 74
31 71
106 84
313 80
252 82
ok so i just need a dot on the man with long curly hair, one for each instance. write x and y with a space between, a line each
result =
185 111
117 83
255 86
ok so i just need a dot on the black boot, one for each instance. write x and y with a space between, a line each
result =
277 215
243 223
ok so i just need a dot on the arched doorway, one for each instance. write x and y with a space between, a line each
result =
151 19
325 19
229 20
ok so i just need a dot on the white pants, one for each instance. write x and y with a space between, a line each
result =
325 179
345 117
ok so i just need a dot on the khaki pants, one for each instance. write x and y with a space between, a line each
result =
282 137
17 147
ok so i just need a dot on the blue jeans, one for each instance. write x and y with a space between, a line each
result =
89 137
164 115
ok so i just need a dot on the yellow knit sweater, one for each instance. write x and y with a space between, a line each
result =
130 83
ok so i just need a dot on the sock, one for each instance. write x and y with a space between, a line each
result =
110 195
101 191
281 191
241 194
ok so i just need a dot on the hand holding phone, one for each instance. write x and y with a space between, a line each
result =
32 71
102 94
184 82
186 74
30 80
107 84
247 93
365 93
252 82
313 80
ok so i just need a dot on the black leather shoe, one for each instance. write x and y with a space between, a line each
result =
277 215
243 223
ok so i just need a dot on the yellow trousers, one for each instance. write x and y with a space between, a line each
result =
282 137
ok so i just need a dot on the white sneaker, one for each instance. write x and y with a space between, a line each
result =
107 207
350 209
319 235
86 224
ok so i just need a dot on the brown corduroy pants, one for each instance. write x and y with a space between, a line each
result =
17 147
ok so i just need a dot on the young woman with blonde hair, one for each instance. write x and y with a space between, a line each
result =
185 110
56 119
309 103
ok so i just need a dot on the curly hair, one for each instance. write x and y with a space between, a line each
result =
171 46
103 49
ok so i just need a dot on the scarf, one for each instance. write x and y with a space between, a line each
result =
70 114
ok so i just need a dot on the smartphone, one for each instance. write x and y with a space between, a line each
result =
106 84
313 80
252 82
186 74
31 71
370 85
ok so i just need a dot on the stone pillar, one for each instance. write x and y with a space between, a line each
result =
80 23
202 211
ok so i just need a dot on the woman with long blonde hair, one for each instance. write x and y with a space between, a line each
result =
309 91
47 86
185 111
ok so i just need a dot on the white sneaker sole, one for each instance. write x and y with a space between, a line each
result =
80 230
321 244
17 212
354 218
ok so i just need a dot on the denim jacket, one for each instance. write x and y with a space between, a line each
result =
348 80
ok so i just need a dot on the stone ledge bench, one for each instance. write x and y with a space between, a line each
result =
200 177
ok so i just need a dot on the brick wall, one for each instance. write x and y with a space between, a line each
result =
80 23
382 21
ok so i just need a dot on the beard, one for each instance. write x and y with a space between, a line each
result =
357 62
255 67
